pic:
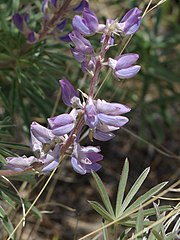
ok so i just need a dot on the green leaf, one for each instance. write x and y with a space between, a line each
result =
134 189
157 235
139 223
105 233
145 197
7 199
99 208
6 222
151 211
104 196
121 187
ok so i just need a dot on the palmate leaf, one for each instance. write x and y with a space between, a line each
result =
6 222
104 196
145 197
134 189
121 187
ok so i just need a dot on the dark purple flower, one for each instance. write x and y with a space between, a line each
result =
69 94
86 25
31 37
20 21
61 124
84 159
80 7
61 25
82 47
123 65
130 23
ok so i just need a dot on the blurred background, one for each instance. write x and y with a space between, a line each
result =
29 91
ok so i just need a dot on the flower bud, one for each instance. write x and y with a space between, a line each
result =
86 25
130 23
80 7
69 94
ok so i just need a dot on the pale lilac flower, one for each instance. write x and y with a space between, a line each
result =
84 159
80 7
86 25
111 108
51 159
90 115
69 94
61 124
103 132
123 65
104 117
42 134
20 163
130 23
82 47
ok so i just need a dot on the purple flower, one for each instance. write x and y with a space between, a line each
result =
69 94
46 4
111 108
20 21
130 23
61 25
84 159
86 25
82 47
80 7
90 115
19 163
123 65
61 124
104 117
107 30
42 134
51 159
31 37
88 65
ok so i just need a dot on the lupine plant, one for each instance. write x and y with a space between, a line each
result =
61 139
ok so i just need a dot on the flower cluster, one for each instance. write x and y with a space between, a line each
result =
54 21
87 25
100 117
